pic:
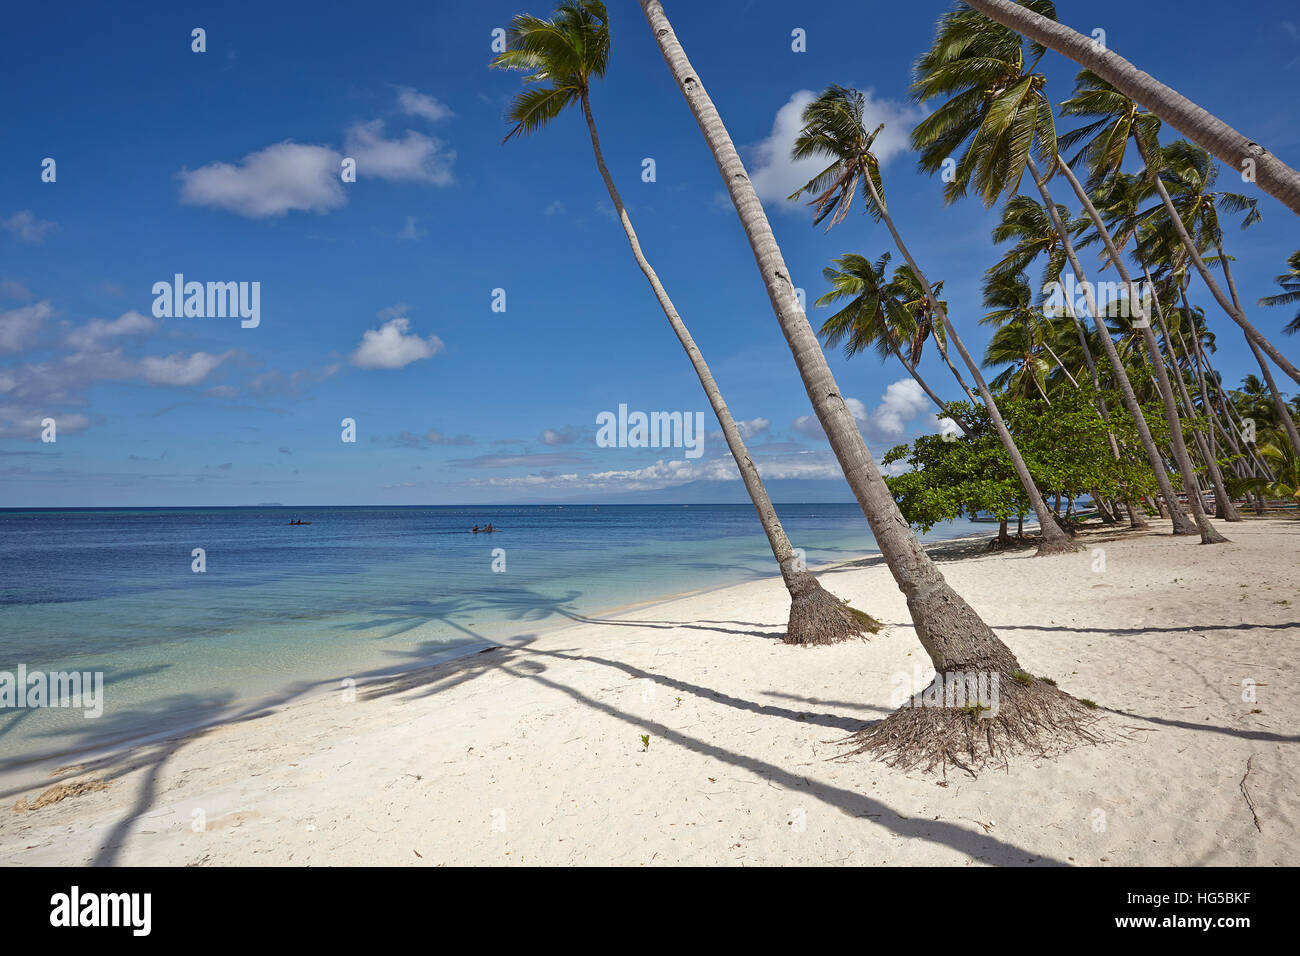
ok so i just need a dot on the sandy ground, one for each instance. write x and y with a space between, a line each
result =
534 753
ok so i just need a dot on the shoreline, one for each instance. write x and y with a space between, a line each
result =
292 691
530 751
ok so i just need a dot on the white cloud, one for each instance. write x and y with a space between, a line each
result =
14 290
666 474
18 327
562 436
270 182
411 230
902 402
392 346
25 227
93 333
413 158
415 103
180 369
748 429
775 175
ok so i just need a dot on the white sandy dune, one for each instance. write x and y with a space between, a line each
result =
533 753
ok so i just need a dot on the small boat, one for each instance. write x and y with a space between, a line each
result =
297 522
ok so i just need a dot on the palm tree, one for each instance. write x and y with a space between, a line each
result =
1122 197
833 128
1290 294
911 295
996 106
561 56
1029 226
1020 339
874 317
1120 119
1037 22
1032 714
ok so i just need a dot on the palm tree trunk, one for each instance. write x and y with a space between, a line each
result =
952 633
943 353
1136 521
1059 364
1052 539
816 616
911 369
1222 503
1179 446
1200 126
1154 458
1234 312
1283 412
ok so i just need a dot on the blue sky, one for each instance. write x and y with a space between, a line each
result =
376 296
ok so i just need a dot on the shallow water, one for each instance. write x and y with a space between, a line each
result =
279 608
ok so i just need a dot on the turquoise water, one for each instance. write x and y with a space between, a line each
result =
279 608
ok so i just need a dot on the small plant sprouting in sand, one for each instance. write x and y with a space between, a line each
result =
1048 680
645 742
974 710
1090 704
1022 677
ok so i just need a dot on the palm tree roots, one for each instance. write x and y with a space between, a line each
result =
818 617
1029 716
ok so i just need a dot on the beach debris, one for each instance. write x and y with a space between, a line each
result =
1249 802
60 791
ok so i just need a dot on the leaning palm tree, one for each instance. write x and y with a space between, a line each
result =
1021 342
1032 714
996 107
1029 226
1290 294
561 56
833 128
873 317
1119 119
1038 24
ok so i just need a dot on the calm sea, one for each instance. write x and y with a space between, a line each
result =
281 608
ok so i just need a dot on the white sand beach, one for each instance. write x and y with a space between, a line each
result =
533 753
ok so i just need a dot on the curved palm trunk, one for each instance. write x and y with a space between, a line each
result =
911 369
1200 126
1059 364
943 353
1135 519
1053 539
1283 412
1233 309
816 616
1033 714
1176 442
1154 458
1222 503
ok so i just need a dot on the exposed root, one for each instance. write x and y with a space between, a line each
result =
818 617
1029 716
1050 546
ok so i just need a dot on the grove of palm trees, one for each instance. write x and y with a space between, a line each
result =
967 535
1171 427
